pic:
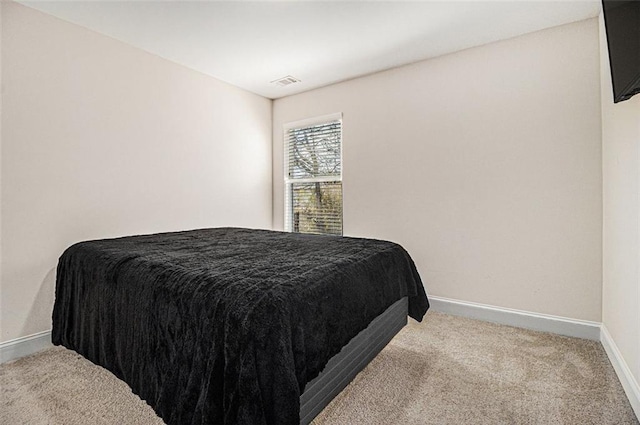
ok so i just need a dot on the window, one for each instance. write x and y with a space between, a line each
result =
313 175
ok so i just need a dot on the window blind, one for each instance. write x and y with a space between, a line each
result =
313 177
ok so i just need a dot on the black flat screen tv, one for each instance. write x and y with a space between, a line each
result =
622 23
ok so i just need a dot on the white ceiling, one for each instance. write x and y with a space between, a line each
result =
250 44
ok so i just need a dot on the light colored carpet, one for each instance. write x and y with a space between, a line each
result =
446 370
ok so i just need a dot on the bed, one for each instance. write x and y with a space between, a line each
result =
231 325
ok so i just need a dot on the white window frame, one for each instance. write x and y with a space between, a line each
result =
288 224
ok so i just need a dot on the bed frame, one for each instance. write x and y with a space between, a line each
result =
344 366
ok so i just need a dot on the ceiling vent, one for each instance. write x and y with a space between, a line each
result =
286 81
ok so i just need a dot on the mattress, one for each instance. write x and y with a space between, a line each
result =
227 325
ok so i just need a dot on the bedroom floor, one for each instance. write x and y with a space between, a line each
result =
446 370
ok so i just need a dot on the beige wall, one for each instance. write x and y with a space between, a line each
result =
100 139
621 218
485 164
1 302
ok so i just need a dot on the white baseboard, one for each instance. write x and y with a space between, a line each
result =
522 319
20 347
629 383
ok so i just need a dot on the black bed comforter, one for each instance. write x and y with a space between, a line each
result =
227 325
